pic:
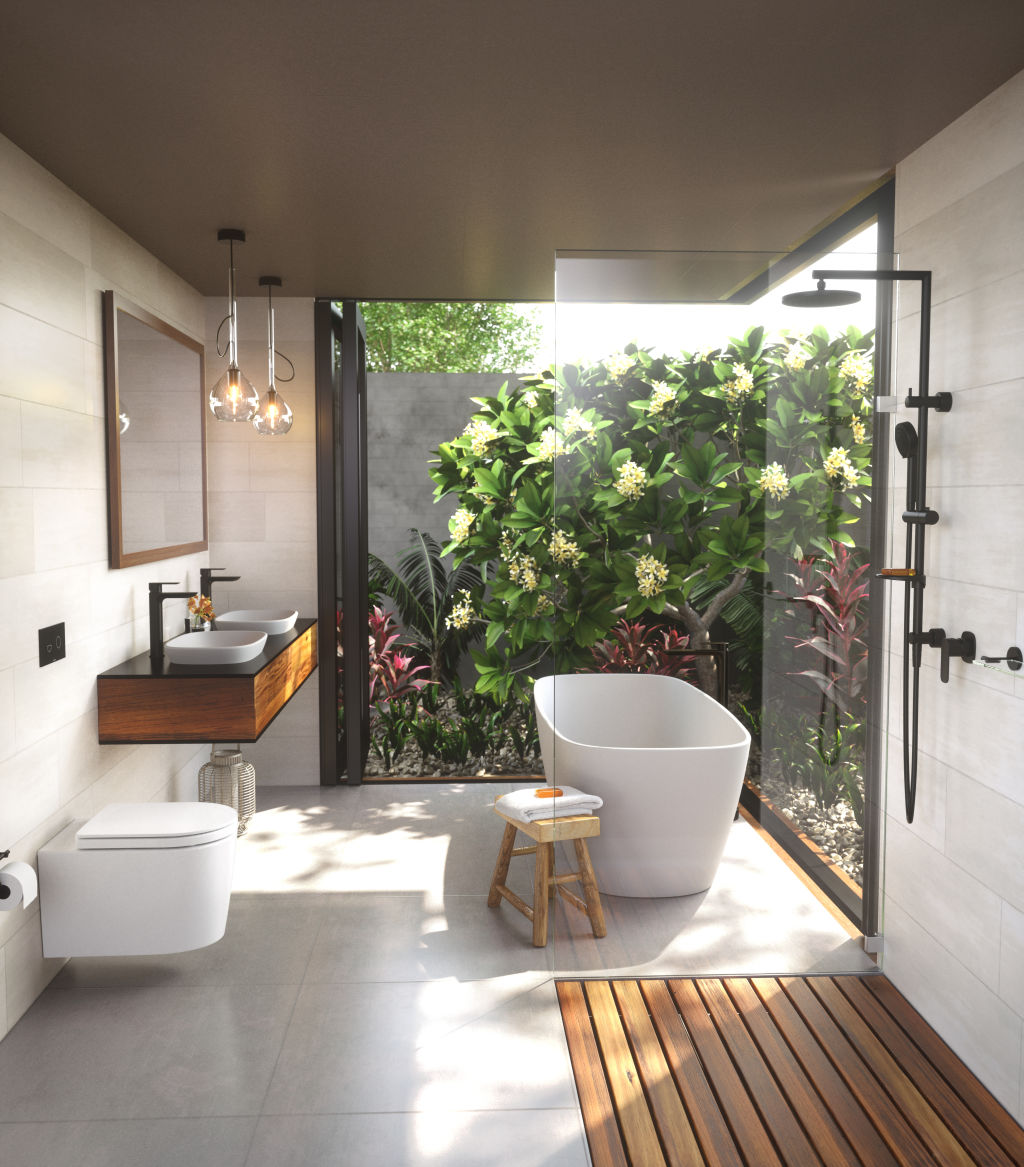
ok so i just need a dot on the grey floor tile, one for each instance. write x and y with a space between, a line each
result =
432 1045
421 938
410 838
755 918
143 1053
490 1138
157 1142
268 941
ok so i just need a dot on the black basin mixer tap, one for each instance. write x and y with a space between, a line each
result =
157 595
207 579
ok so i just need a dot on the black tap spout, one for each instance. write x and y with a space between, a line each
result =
157 595
207 579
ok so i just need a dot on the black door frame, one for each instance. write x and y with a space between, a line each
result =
340 347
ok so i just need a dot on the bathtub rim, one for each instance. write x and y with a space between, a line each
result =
745 740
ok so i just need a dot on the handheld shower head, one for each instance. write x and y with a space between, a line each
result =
905 437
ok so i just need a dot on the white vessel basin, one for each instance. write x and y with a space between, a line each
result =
215 648
272 621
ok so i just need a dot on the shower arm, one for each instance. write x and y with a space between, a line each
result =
917 516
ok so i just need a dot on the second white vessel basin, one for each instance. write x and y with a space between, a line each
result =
215 648
272 621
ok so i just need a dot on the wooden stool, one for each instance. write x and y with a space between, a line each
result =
545 833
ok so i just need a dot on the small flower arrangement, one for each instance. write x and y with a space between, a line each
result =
200 608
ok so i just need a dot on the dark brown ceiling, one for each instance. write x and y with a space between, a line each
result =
413 149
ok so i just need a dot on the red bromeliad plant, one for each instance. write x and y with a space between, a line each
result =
635 647
838 608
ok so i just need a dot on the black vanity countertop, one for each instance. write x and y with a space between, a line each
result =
142 666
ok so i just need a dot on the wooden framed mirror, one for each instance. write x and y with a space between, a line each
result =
156 436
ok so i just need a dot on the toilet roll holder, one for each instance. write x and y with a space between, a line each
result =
5 891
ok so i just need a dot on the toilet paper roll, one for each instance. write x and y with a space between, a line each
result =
18 885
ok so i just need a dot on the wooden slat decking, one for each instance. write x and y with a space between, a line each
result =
773 1072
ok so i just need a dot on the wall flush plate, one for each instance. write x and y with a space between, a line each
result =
51 644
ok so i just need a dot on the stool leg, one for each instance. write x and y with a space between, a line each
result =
541 880
508 842
590 893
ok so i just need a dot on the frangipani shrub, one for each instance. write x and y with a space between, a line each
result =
593 494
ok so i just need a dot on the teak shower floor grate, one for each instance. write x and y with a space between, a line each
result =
765 1071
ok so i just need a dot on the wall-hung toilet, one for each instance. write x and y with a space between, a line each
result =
139 878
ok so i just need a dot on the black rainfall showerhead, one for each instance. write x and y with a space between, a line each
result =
905 437
821 297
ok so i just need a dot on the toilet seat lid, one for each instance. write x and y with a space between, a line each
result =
124 825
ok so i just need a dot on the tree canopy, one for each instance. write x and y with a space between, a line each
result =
433 336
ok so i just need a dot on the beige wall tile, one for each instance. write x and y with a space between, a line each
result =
929 823
29 787
70 527
986 141
28 603
18 554
44 363
983 833
10 442
237 516
291 517
61 448
39 280
37 200
933 890
1011 966
8 739
28 972
981 1028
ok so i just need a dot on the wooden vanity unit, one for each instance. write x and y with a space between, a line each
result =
140 702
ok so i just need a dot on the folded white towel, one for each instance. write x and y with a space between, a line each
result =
526 807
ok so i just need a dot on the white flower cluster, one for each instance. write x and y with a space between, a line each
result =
774 481
480 434
858 368
860 432
741 385
651 575
551 445
838 466
631 481
562 549
460 524
522 569
575 422
462 613
796 356
618 366
661 396
530 399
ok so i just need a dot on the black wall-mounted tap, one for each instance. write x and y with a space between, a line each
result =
964 646
157 595
207 579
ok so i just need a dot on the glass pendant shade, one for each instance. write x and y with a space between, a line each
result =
273 414
234 397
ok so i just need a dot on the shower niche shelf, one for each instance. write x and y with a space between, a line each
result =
139 702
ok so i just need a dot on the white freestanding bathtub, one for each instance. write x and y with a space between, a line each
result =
667 759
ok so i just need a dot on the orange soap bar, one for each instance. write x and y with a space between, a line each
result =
554 792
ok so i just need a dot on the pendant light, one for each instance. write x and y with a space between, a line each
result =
273 415
233 398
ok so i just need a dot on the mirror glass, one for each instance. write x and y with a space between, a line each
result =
156 436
